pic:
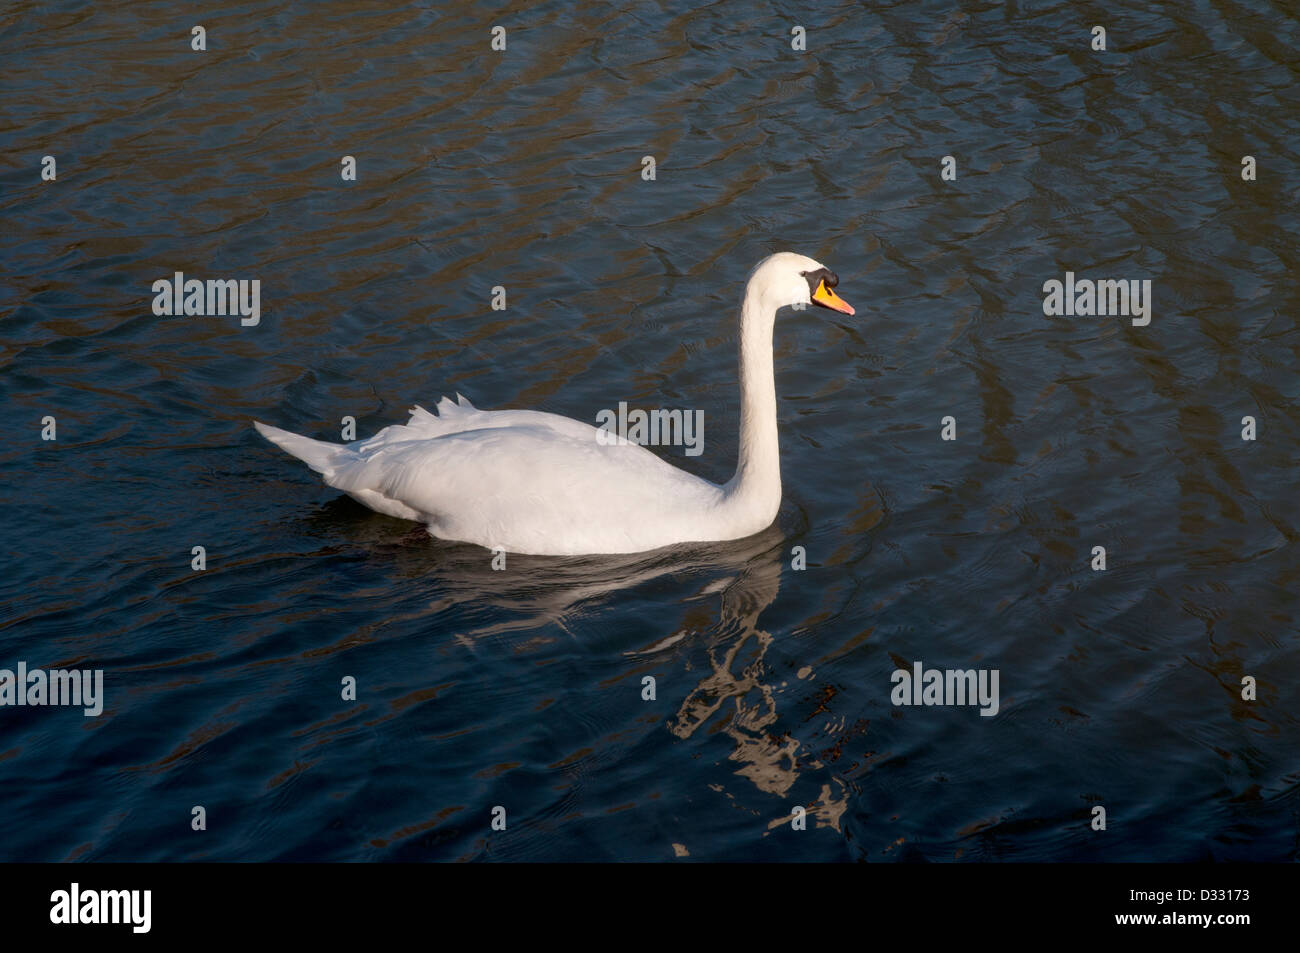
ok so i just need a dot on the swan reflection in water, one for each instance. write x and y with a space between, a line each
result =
743 576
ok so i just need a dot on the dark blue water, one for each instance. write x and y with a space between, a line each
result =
523 688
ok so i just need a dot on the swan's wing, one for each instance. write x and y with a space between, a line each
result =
526 485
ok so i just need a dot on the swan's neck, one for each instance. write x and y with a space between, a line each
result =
756 487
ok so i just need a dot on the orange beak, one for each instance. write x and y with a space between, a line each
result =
827 298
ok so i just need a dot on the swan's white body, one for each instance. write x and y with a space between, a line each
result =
539 483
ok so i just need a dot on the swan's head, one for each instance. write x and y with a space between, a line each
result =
789 279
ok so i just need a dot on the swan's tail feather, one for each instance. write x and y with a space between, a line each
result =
321 456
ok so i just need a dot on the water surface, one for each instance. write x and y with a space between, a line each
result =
523 688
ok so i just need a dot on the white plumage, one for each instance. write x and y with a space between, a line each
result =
539 483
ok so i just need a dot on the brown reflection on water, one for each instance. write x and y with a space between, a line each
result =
738 686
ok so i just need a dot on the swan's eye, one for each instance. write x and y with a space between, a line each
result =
815 278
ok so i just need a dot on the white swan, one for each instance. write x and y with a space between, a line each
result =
538 483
